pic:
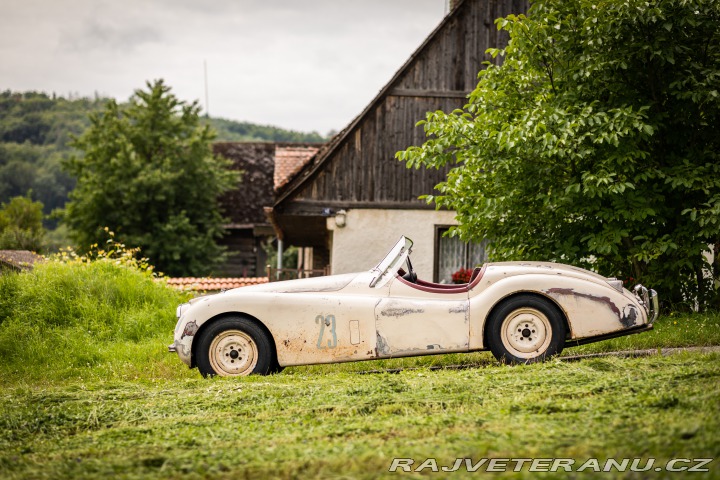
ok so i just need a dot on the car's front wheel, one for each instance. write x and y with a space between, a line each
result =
233 347
525 329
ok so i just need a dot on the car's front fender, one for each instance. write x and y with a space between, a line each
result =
306 327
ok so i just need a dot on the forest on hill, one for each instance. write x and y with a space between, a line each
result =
36 133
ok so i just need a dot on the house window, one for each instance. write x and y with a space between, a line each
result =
452 254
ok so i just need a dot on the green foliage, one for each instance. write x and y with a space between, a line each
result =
36 132
37 119
71 313
57 239
595 143
21 225
113 251
290 255
148 173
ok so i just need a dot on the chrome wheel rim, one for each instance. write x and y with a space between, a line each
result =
233 353
526 333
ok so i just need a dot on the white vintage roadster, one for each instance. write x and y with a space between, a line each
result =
522 311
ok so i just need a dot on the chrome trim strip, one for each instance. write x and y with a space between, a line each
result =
654 305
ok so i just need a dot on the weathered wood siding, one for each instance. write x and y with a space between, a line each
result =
246 256
247 226
361 171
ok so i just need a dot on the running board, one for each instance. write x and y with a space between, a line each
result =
607 336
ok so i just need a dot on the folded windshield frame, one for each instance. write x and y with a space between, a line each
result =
387 267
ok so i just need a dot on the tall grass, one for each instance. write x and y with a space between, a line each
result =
68 319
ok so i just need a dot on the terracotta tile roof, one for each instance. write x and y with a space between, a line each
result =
289 161
19 259
213 284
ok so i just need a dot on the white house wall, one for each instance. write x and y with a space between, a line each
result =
368 234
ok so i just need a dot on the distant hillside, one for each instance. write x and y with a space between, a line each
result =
36 130
232 131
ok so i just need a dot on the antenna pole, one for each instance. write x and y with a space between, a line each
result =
207 102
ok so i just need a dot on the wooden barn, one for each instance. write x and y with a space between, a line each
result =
353 199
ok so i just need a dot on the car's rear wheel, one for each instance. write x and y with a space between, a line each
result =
525 329
234 347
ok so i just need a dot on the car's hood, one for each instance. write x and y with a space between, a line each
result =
331 283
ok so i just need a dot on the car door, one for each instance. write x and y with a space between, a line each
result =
417 320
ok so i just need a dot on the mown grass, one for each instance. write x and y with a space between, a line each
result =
89 391
345 425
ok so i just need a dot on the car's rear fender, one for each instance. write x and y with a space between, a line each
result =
525 293
589 307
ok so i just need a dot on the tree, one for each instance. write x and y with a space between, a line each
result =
21 224
149 175
595 143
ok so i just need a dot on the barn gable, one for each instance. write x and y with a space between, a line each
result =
357 169
353 196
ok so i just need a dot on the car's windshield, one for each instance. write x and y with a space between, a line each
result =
386 269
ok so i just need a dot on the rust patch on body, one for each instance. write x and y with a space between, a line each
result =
190 330
595 298
184 348
630 314
459 309
382 346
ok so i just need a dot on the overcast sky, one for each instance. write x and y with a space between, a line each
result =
298 64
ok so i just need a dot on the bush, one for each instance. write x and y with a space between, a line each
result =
21 224
71 312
